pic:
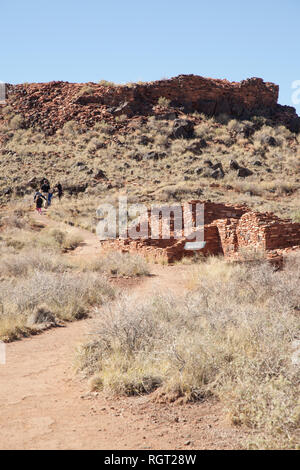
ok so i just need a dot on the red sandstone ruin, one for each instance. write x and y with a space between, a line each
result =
228 231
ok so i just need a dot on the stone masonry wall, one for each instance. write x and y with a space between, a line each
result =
282 235
228 230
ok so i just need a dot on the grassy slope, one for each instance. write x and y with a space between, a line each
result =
74 156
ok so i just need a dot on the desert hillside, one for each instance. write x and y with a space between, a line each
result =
216 333
186 137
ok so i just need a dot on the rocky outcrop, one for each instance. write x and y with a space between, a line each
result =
50 105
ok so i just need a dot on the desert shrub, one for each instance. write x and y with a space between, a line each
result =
95 144
175 192
223 118
68 295
230 337
19 265
41 314
6 110
71 128
266 133
107 83
163 101
120 264
16 220
296 216
58 236
121 118
72 241
205 130
103 127
85 90
16 122
58 240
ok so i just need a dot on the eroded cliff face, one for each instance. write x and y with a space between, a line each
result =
50 105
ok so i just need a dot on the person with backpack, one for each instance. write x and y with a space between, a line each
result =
45 185
45 188
38 199
59 190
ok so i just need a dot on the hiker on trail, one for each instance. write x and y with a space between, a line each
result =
59 190
50 196
38 199
45 188
45 185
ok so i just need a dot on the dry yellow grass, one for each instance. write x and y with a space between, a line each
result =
231 337
36 277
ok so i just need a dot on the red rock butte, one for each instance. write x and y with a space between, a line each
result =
230 231
50 105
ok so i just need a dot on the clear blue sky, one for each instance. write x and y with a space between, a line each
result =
132 40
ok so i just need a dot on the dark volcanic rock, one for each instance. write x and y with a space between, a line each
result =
269 140
244 172
7 191
154 156
183 128
75 188
233 165
100 174
217 174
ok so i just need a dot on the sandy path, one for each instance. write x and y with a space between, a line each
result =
45 406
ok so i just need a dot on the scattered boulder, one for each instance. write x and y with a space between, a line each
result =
83 168
248 130
257 163
233 165
154 155
143 140
33 183
41 315
182 129
79 164
136 156
100 174
196 146
20 190
75 188
218 171
217 166
170 116
191 158
269 140
124 108
244 172
217 174
7 191
215 171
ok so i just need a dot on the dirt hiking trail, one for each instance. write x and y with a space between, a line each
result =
44 405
